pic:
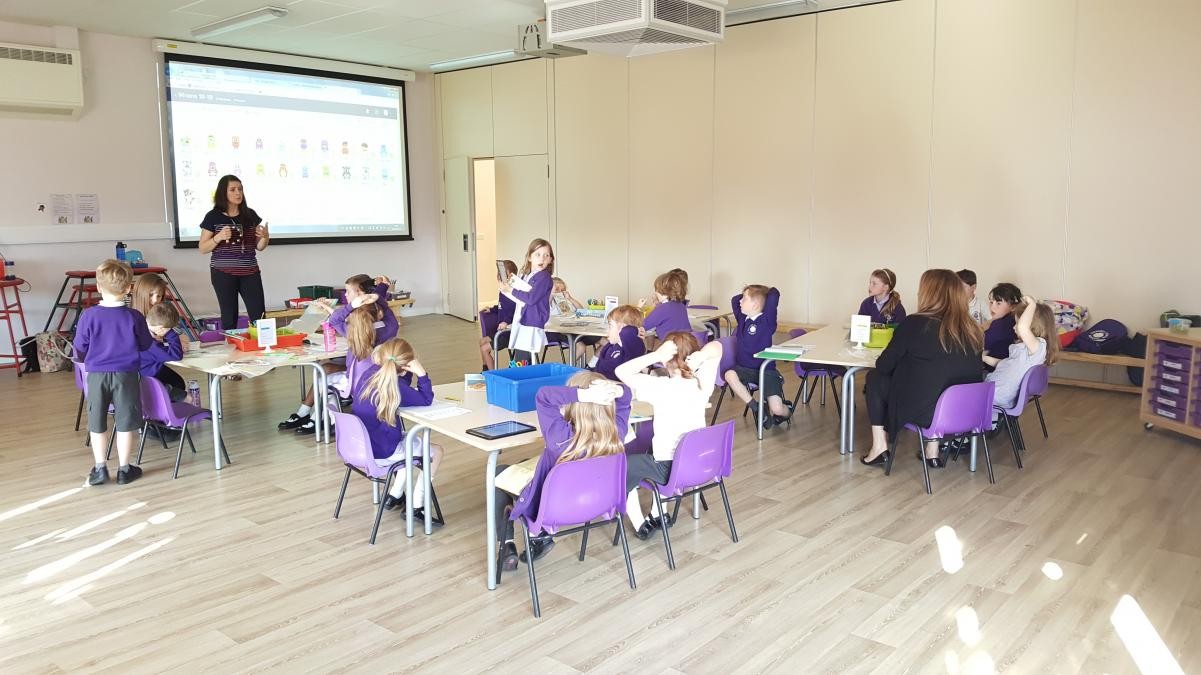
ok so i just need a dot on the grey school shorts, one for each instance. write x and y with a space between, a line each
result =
124 392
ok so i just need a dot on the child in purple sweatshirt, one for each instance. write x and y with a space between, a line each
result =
755 310
589 401
109 340
386 385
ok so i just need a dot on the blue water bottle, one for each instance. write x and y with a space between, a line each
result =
121 251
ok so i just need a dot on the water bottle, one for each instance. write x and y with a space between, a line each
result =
121 251
330 335
9 275
194 393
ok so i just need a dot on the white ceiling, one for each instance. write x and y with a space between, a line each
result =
400 33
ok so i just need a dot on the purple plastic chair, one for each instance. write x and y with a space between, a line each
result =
963 411
702 336
821 374
1034 385
704 457
354 447
729 343
713 327
644 434
575 492
160 412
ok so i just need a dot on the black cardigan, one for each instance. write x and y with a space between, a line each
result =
920 370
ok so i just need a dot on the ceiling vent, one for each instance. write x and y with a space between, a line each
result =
40 81
635 27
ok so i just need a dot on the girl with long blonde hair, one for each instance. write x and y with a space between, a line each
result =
584 419
386 385
679 399
931 350
527 336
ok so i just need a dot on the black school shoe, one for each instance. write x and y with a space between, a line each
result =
98 475
539 546
647 529
508 556
309 428
294 421
391 503
769 420
129 474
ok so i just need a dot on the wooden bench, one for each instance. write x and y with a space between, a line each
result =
1100 360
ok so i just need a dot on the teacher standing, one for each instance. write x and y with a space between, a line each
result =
234 233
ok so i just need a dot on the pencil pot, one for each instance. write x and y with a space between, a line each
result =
880 337
514 389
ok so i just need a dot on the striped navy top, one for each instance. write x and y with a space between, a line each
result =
236 255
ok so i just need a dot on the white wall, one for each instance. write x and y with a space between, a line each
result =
114 149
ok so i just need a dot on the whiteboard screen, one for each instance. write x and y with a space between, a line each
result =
321 156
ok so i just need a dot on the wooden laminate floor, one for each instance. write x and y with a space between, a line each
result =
838 568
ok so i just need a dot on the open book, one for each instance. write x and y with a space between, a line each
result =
514 478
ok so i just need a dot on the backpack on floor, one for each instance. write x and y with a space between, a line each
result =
53 352
29 353
1108 336
1069 320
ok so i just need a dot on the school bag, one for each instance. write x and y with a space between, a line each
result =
53 350
29 354
1107 336
1136 346
1069 320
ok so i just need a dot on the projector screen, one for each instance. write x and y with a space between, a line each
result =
321 156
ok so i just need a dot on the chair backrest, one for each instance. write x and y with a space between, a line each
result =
702 336
702 456
963 409
702 306
644 434
582 490
156 402
489 321
1034 383
81 378
354 445
729 344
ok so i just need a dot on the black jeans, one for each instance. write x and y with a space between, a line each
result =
228 287
878 386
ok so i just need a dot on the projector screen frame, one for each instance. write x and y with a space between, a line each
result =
168 58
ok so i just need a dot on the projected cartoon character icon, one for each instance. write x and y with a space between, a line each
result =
324 145
212 169
260 170
383 151
304 172
185 142
237 170
189 197
283 170
383 173
325 171
212 142
345 148
363 147
346 172
258 144
236 142
186 168
304 144
366 173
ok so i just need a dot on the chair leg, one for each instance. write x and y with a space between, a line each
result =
616 532
671 561
625 551
162 437
725 500
342 493
525 529
834 393
179 452
584 540
921 446
1041 419
800 391
79 412
437 519
188 435
717 407
704 504
822 384
112 437
1017 431
221 440
142 443
808 394
1013 441
987 458
675 511
379 510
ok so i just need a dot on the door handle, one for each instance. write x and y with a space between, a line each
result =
465 249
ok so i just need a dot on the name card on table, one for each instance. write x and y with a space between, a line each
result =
611 303
266 330
861 329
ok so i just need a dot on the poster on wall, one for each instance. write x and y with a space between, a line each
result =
87 208
62 208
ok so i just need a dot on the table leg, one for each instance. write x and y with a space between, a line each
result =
325 414
425 478
490 506
408 443
762 370
304 390
215 405
571 339
847 441
972 464
696 507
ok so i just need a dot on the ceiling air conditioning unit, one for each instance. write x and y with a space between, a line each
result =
40 81
635 27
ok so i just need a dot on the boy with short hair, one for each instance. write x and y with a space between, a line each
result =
109 339
755 310
624 341
968 277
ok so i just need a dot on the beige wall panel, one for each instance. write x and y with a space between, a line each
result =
1133 237
1001 132
592 140
466 113
872 152
522 205
763 161
671 167
519 107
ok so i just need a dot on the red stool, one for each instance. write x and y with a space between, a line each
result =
8 308
84 294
